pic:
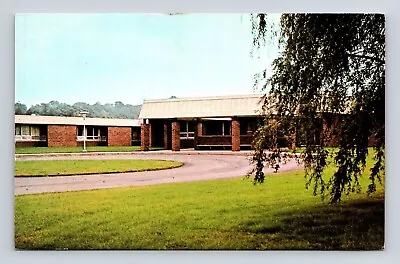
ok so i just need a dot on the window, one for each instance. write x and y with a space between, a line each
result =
135 135
187 129
27 132
80 132
226 128
92 133
217 128
17 130
247 127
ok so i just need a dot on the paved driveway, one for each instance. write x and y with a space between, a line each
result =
195 168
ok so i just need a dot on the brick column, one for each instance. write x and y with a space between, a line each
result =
165 135
144 137
199 128
195 141
150 135
293 141
176 141
235 134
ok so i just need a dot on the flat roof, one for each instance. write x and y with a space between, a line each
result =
202 107
63 120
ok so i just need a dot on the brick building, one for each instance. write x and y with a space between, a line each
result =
220 122
223 122
57 131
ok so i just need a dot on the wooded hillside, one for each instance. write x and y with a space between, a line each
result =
55 108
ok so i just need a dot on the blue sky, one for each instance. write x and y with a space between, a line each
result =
130 57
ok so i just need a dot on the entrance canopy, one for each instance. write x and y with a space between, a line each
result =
201 107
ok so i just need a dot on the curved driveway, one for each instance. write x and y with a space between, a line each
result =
195 168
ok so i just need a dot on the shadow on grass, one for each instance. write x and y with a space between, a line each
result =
346 226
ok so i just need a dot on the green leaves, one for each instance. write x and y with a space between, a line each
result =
328 85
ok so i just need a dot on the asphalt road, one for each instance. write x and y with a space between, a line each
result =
195 168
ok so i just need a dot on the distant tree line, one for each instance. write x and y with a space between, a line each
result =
55 108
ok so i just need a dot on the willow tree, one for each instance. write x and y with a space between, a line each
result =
328 82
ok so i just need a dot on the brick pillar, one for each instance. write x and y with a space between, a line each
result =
166 136
144 137
195 141
199 128
150 135
293 139
235 134
176 141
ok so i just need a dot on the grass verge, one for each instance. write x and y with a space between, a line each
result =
40 150
219 214
76 167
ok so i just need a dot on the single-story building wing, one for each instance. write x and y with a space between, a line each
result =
58 131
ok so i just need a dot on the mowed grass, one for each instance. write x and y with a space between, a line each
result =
217 214
75 167
39 150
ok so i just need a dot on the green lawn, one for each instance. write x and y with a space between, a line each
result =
38 150
218 214
73 167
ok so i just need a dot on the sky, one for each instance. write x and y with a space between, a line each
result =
131 57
